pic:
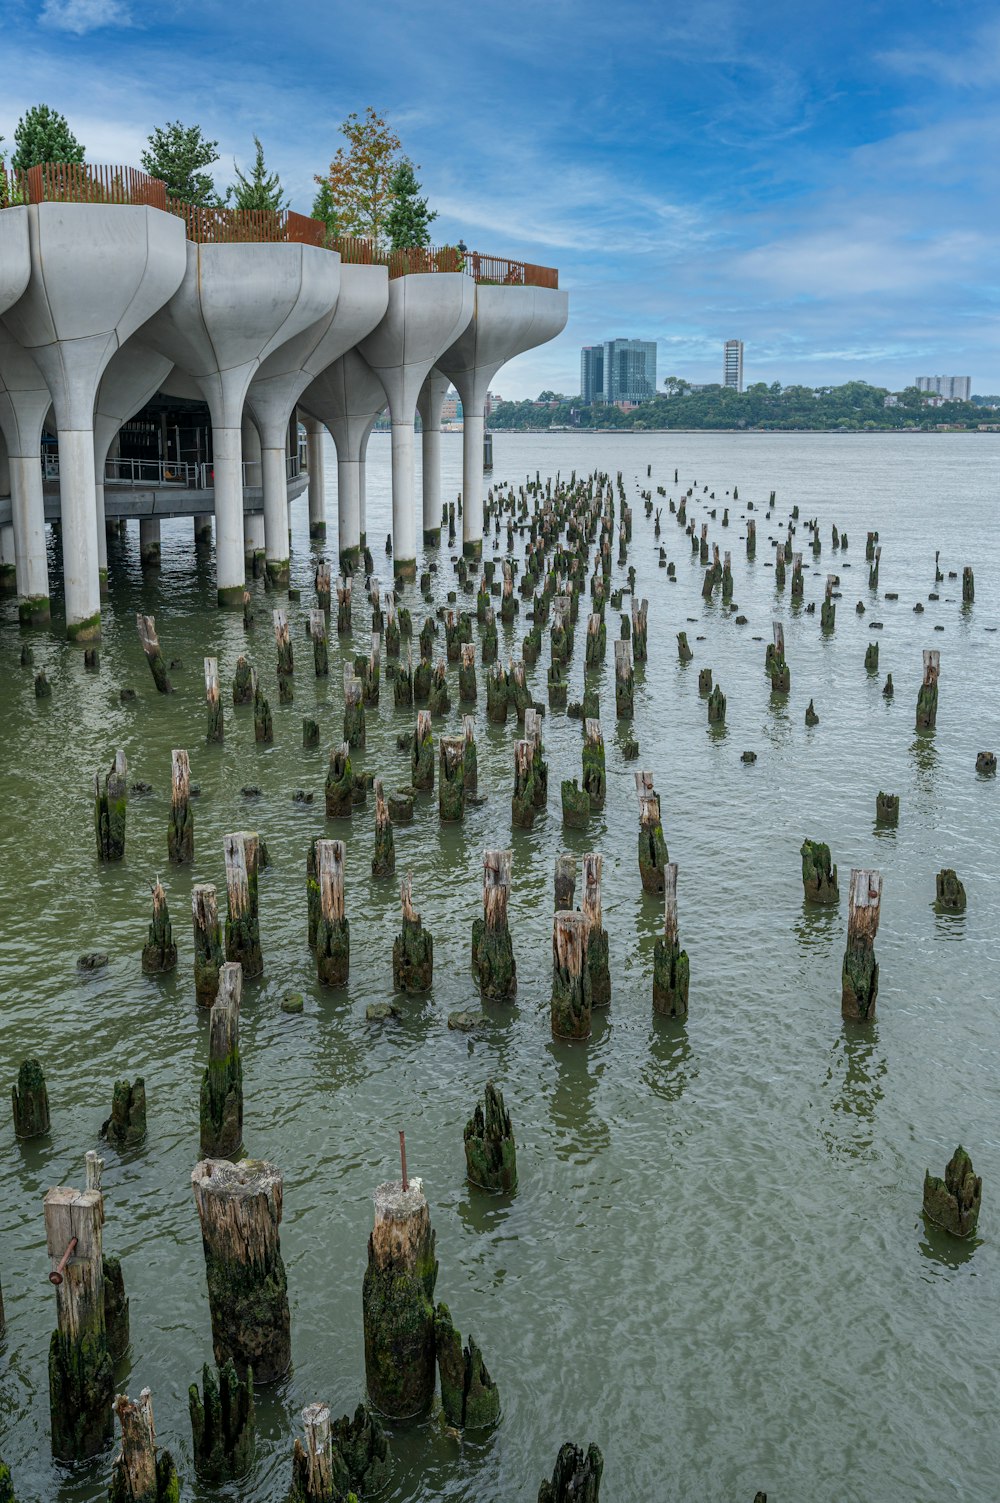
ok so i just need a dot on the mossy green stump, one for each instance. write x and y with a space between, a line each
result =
333 951
468 689
451 779
859 983
223 1423
208 952
126 1127
888 691
518 693
423 677
493 961
489 643
30 1101
576 1478
671 977
470 764
684 652
871 658
312 893
412 957
364 1450
571 1000
599 967
159 954
469 1397
263 725
949 892
653 857
594 774
221 1100
438 699
339 783
575 804
117 1330
704 682
243 682
597 643
6 1485
927 701
828 615
781 677
819 878
81 1386
354 723
887 809
558 688
141 1472
398 1302
310 731
239 1206
779 570
717 707
110 805
497 698
422 754
591 703
954 1202
490 1151
402 687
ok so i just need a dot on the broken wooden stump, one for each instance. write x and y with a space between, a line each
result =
490 1152
208 953
828 609
492 951
598 960
80 1368
887 809
949 892
968 586
438 698
774 660
43 689
468 691
594 779
469 1397
565 879
888 691
717 707
146 627
344 605
558 687
518 692
243 682
873 571
523 801
339 789
954 1202
671 968
318 1471
223 1423
159 953
221 1103
180 830
214 728
470 757
321 584
317 631
811 716
451 779
402 685
364 1450
819 878
263 726
333 930
384 854
751 538
653 855
242 921
683 650
422 752
30 1101
624 681
283 643
533 733
371 680
126 1127
640 612
704 681
871 658
927 697
141 1472
571 994
986 764
354 709
398 1301
413 947
110 805
860 969
597 641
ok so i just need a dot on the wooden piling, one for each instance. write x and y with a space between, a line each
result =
492 950
243 682
354 710
208 953
242 922
422 752
469 1397
860 969
159 954
215 728
523 802
565 881
126 1127
141 1472
594 779
339 791
490 1151
344 626
653 855
598 958
317 631
671 969
571 993
146 627
283 642
221 1106
110 805
927 698
470 757
451 778
413 947
263 726
333 931
30 1101
223 1423
954 1202
384 856
321 584
80 1368
468 691
819 878
398 1301
180 830
624 681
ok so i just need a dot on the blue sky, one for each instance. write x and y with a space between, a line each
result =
818 180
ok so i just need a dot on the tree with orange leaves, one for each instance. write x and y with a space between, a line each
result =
361 174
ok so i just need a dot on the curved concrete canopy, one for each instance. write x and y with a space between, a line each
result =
347 398
134 375
15 255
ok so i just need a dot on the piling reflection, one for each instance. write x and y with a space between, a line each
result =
857 1068
818 926
925 757
668 1070
944 1250
582 1133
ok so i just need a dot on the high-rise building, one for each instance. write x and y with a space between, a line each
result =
732 364
619 370
592 374
952 388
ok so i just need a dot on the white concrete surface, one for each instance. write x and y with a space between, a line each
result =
429 404
347 398
134 375
24 405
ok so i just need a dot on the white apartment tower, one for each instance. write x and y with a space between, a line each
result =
952 388
732 364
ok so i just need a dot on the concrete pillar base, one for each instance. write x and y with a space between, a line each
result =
203 527
231 598
317 530
473 548
279 572
432 537
85 631
404 568
149 542
34 610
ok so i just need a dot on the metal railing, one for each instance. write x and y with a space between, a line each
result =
86 182
184 475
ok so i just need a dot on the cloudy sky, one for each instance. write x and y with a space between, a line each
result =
816 179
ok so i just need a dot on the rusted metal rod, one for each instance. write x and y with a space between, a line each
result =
402 1155
56 1276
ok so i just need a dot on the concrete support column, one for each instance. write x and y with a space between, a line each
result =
149 542
102 535
28 508
349 511
473 428
317 482
78 505
8 560
230 575
404 521
431 482
253 541
203 527
275 485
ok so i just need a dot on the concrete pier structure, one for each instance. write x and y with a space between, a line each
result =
24 405
429 405
134 375
317 477
426 314
347 398
98 271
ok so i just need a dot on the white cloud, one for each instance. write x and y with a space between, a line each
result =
81 16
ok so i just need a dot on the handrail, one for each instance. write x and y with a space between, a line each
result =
87 182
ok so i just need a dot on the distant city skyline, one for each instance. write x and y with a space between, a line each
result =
619 370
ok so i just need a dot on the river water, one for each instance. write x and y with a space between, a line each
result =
715 1265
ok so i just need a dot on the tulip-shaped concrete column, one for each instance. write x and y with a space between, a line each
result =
24 404
285 375
508 321
429 404
347 398
253 521
236 305
134 375
98 271
426 314
317 476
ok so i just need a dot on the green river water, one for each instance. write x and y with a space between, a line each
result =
715 1265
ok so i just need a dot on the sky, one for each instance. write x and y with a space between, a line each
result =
818 180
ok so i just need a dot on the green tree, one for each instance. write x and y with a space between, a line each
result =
324 210
261 190
408 220
43 135
361 175
178 155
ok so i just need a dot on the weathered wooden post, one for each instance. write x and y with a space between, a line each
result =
110 805
533 733
492 951
354 709
640 611
496 694
372 678
828 610
116 1308
927 698
30 1101
159 953
717 706
819 878
243 682
223 1423
384 855
624 681
344 606
126 1127
208 954
470 757
518 692
283 642
954 1202
887 809
653 855
318 1471
565 881
402 687
598 961
968 585
80 1370
779 567
339 789
523 802
242 921
215 728
263 725
438 698
671 969
422 752
180 830
873 571
571 994
751 538
333 930
221 1106
986 764
860 970
239 1207
321 582
413 947
468 690
949 891
490 1151
398 1300
774 660
317 631
597 640
594 779
871 658
146 627
469 1397
141 1472
683 650
451 778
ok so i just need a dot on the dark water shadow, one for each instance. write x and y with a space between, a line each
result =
668 1070
854 1075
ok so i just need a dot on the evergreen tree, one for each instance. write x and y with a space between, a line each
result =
261 190
325 210
408 220
43 135
177 155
